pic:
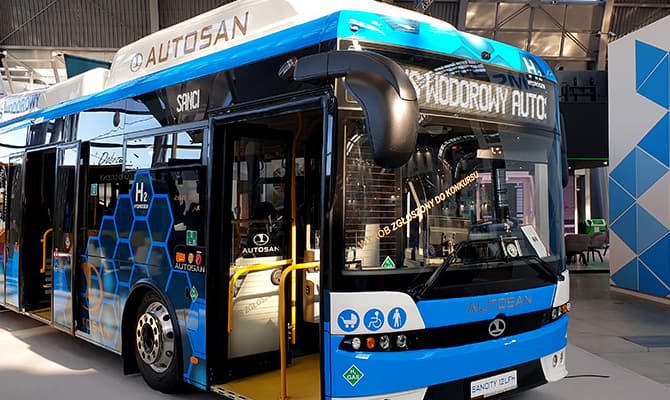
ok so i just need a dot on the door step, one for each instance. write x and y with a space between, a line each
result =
227 393
302 377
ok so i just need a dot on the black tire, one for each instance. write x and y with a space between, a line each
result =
156 346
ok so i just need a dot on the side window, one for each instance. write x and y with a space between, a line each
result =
165 150
102 123
186 193
53 131
105 181
13 141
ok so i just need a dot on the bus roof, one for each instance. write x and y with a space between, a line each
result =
245 31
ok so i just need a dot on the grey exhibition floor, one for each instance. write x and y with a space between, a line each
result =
40 362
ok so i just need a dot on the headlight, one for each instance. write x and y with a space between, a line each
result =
384 342
558 312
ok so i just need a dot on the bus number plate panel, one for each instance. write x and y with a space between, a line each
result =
493 385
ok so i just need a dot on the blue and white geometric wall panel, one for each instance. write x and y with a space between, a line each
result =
651 73
650 283
649 230
647 171
656 259
656 200
638 171
619 200
626 227
631 115
628 276
647 60
638 229
624 173
619 253
657 141
639 146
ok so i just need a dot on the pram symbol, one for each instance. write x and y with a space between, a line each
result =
348 320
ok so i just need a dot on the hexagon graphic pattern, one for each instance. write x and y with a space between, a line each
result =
132 246
140 240
160 226
108 237
124 260
123 216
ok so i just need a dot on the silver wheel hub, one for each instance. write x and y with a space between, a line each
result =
154 337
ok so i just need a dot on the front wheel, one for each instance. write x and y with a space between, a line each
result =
156 347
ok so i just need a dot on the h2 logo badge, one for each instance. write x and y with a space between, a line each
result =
142 193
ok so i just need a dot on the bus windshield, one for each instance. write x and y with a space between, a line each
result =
474 192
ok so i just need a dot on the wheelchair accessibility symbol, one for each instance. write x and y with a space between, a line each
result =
374 319
348 320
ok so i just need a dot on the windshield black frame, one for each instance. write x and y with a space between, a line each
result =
350 276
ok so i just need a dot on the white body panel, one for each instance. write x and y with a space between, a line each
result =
343 304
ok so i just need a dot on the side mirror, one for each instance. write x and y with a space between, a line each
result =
383 90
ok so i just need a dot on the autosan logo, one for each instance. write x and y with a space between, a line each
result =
499 304
211 35
136 62
497 327
261 239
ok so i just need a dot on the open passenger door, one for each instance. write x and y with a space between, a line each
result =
270 210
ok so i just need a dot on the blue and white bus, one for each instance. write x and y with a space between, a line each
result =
334 200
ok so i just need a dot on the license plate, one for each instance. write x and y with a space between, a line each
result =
492 385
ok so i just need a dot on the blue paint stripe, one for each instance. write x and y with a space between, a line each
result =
388 372
446 312
438 39
327 346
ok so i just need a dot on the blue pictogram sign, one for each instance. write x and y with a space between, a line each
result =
373 319
397 318
348 320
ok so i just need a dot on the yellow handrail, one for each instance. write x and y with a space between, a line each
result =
244 270
44 249
282 321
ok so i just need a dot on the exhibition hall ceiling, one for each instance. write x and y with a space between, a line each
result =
570 34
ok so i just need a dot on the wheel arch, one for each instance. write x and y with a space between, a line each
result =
141 289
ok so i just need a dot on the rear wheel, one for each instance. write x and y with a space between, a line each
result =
156 347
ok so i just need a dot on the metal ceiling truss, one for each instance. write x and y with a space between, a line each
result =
583 39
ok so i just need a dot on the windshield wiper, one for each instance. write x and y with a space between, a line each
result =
418 291
544 267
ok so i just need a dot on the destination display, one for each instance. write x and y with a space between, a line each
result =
518 98
17 105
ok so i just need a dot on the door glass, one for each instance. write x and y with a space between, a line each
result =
14 229
64 234
259 201
3 233
260 215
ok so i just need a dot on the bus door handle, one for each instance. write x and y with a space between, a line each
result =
44 249
243 271
282 321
